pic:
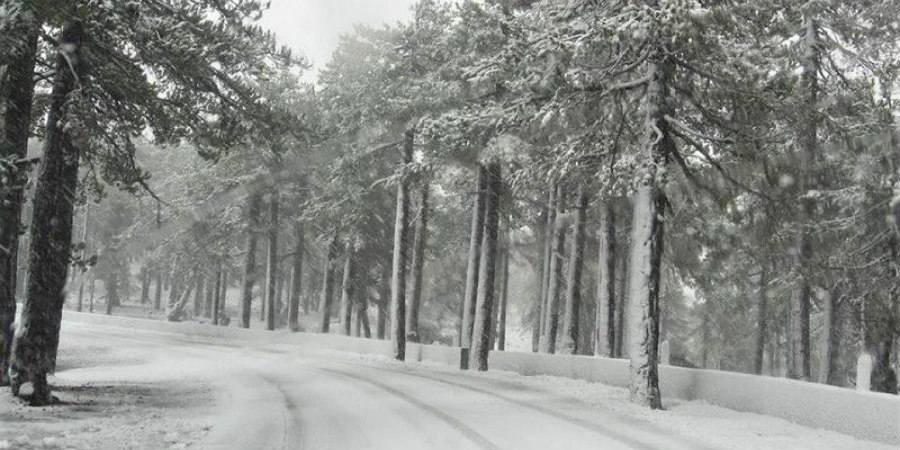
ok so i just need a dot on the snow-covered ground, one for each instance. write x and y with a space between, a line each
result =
128 389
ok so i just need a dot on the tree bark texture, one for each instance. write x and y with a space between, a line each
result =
605 321
296 278
473 270
481 332
328 283
35 345
809 143
538 311
647 239
551 316
272 277
347 294
504 301
398 275
254 211
14 144
571 320
416 269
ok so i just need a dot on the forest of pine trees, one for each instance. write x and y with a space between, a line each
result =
562 176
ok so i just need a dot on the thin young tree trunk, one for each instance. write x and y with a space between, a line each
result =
573 283
472 270
328 283
272 277
254 211
398 276
809 143
35 345
347 291
504 299
296 279
481 332
762 312
14 144
416 270
605 323
647 238
551 317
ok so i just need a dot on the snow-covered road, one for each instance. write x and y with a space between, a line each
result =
132 389
278 397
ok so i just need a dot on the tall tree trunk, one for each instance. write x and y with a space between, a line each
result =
809 143
384 295
605 322
175 292
398 276
280 307
550 241
221 302
328 283
14 144
35 345
145 285
214 310
347 290
416 270
622 301
84 274
831 361
198 295
157 295
254 211
573 283
481 332
551 317
112 291
272 278
504 300
210 294
762 313
362 315
647 238
537 323
296 279
472 271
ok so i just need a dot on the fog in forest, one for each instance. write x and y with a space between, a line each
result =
417 224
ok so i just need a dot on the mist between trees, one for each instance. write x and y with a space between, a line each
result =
710 185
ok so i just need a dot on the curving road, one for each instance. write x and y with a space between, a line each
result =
281 397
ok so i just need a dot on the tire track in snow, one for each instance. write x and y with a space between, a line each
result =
470 434
582 423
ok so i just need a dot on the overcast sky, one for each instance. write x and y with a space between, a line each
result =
312 27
